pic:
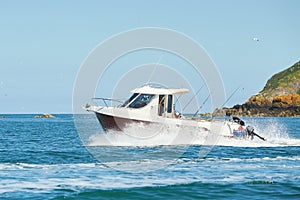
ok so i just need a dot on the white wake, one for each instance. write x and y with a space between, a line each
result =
156 135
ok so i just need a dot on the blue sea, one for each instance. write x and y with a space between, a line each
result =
54 159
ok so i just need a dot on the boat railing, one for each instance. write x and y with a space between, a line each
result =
106 100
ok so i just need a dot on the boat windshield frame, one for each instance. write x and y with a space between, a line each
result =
138 100
129 101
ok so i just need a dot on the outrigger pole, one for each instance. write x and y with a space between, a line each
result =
193 97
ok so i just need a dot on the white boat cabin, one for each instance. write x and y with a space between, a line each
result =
158 100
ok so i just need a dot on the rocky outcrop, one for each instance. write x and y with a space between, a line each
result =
44 116
285 101
280 97
280 106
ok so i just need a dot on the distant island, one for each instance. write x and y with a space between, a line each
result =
44 116
280 97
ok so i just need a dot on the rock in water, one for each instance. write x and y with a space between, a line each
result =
44 116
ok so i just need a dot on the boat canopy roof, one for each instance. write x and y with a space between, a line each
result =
147 89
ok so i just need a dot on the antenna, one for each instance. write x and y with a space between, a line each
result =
152 73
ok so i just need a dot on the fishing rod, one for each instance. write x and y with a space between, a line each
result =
231 96
193 97
201 106
228 98
178 98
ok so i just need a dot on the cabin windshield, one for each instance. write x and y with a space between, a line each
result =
129 100
140 100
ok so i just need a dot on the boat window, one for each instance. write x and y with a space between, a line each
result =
170 102
141 101
161 103
129 100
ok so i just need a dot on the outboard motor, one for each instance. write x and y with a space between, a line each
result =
250 131
244 133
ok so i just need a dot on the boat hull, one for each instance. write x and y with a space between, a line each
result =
109 122
119 123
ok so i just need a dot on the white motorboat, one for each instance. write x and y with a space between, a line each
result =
150 104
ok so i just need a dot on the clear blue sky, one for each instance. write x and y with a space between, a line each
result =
43 43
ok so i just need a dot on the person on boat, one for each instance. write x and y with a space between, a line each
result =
175 113
161 108
242 124
241 132
161 105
